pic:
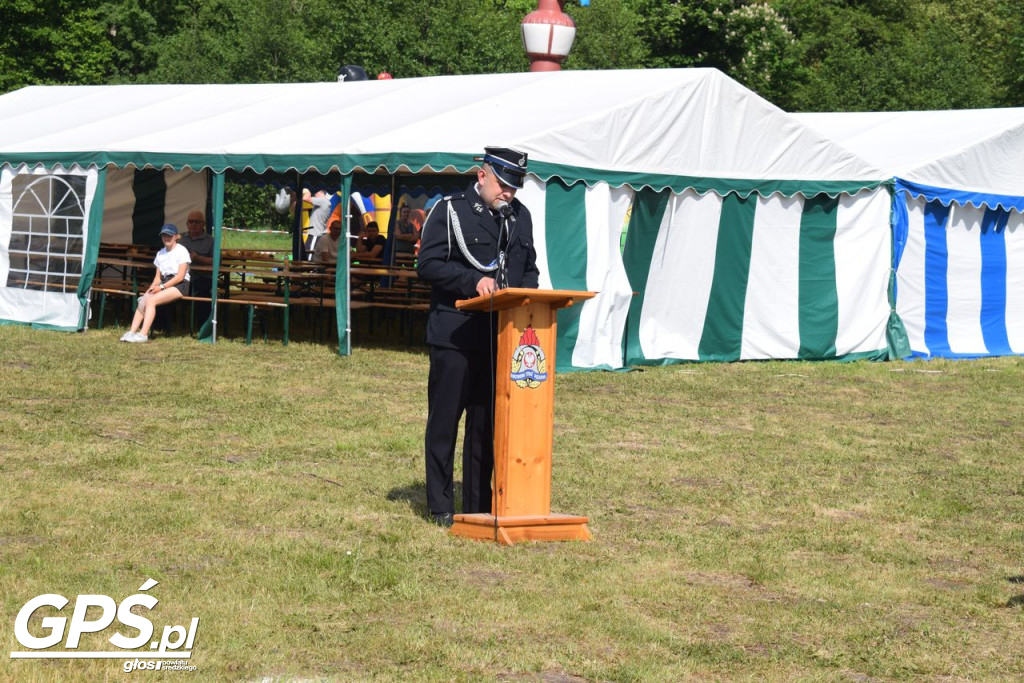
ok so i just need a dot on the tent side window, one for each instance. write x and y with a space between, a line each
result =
47 228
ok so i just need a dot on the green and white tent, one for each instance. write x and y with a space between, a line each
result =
748 234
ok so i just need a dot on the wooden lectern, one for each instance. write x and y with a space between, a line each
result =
524 416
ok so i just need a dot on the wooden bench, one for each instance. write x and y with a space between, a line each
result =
123 270
253 304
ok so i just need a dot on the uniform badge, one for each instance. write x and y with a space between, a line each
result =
478 207
529 365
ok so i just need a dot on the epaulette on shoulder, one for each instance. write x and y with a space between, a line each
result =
454 196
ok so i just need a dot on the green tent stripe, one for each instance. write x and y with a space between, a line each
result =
637 254
566 243
150 189
94 226
722 336
438 161
819 298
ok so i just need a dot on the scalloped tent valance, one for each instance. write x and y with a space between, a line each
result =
673 128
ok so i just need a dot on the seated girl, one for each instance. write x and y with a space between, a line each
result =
170 283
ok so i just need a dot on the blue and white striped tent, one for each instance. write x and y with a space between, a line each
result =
958 181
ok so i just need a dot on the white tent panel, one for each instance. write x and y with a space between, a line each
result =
532 195
679 122
48 208
40 308
1014 235
978 150
862 257
771 316
681 274
963 316
994 165
603 319
910 278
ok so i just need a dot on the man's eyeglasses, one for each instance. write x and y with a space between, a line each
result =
193 222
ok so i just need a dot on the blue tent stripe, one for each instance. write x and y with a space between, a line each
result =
993 282
936 265
900 227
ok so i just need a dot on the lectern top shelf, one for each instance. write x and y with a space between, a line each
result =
521 296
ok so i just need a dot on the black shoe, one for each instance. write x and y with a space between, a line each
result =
445 519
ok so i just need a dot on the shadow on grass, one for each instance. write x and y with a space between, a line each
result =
1017 600
415 494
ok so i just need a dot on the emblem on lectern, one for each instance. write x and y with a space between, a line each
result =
529 366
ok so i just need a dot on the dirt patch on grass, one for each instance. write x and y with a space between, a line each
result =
836 514
821 556
546 677
948 584
720 579
120 435
696 482
30 541
481 577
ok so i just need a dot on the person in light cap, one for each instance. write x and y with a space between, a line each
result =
473 243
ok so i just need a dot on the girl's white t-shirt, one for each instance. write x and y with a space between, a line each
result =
168 262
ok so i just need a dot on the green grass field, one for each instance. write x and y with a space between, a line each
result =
751 521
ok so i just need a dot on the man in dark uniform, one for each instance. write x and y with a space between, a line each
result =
473 243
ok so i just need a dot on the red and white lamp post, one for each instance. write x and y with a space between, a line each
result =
548 33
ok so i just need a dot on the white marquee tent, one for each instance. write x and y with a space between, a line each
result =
751 235
958 221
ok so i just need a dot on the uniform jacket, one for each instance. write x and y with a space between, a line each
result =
453 277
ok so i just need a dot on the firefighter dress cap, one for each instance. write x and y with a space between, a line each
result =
508 164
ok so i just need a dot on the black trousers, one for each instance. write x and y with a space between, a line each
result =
459 382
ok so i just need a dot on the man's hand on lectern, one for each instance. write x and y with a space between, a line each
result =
486 286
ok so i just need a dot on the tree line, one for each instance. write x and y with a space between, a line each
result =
803 55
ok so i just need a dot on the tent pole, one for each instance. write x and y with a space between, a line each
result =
208 332
342 296
392 219
297 220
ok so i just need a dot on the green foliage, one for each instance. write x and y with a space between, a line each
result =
800 54
607 36
52 43
748 40
1011 75
884 55
429 37
249 206
243 41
